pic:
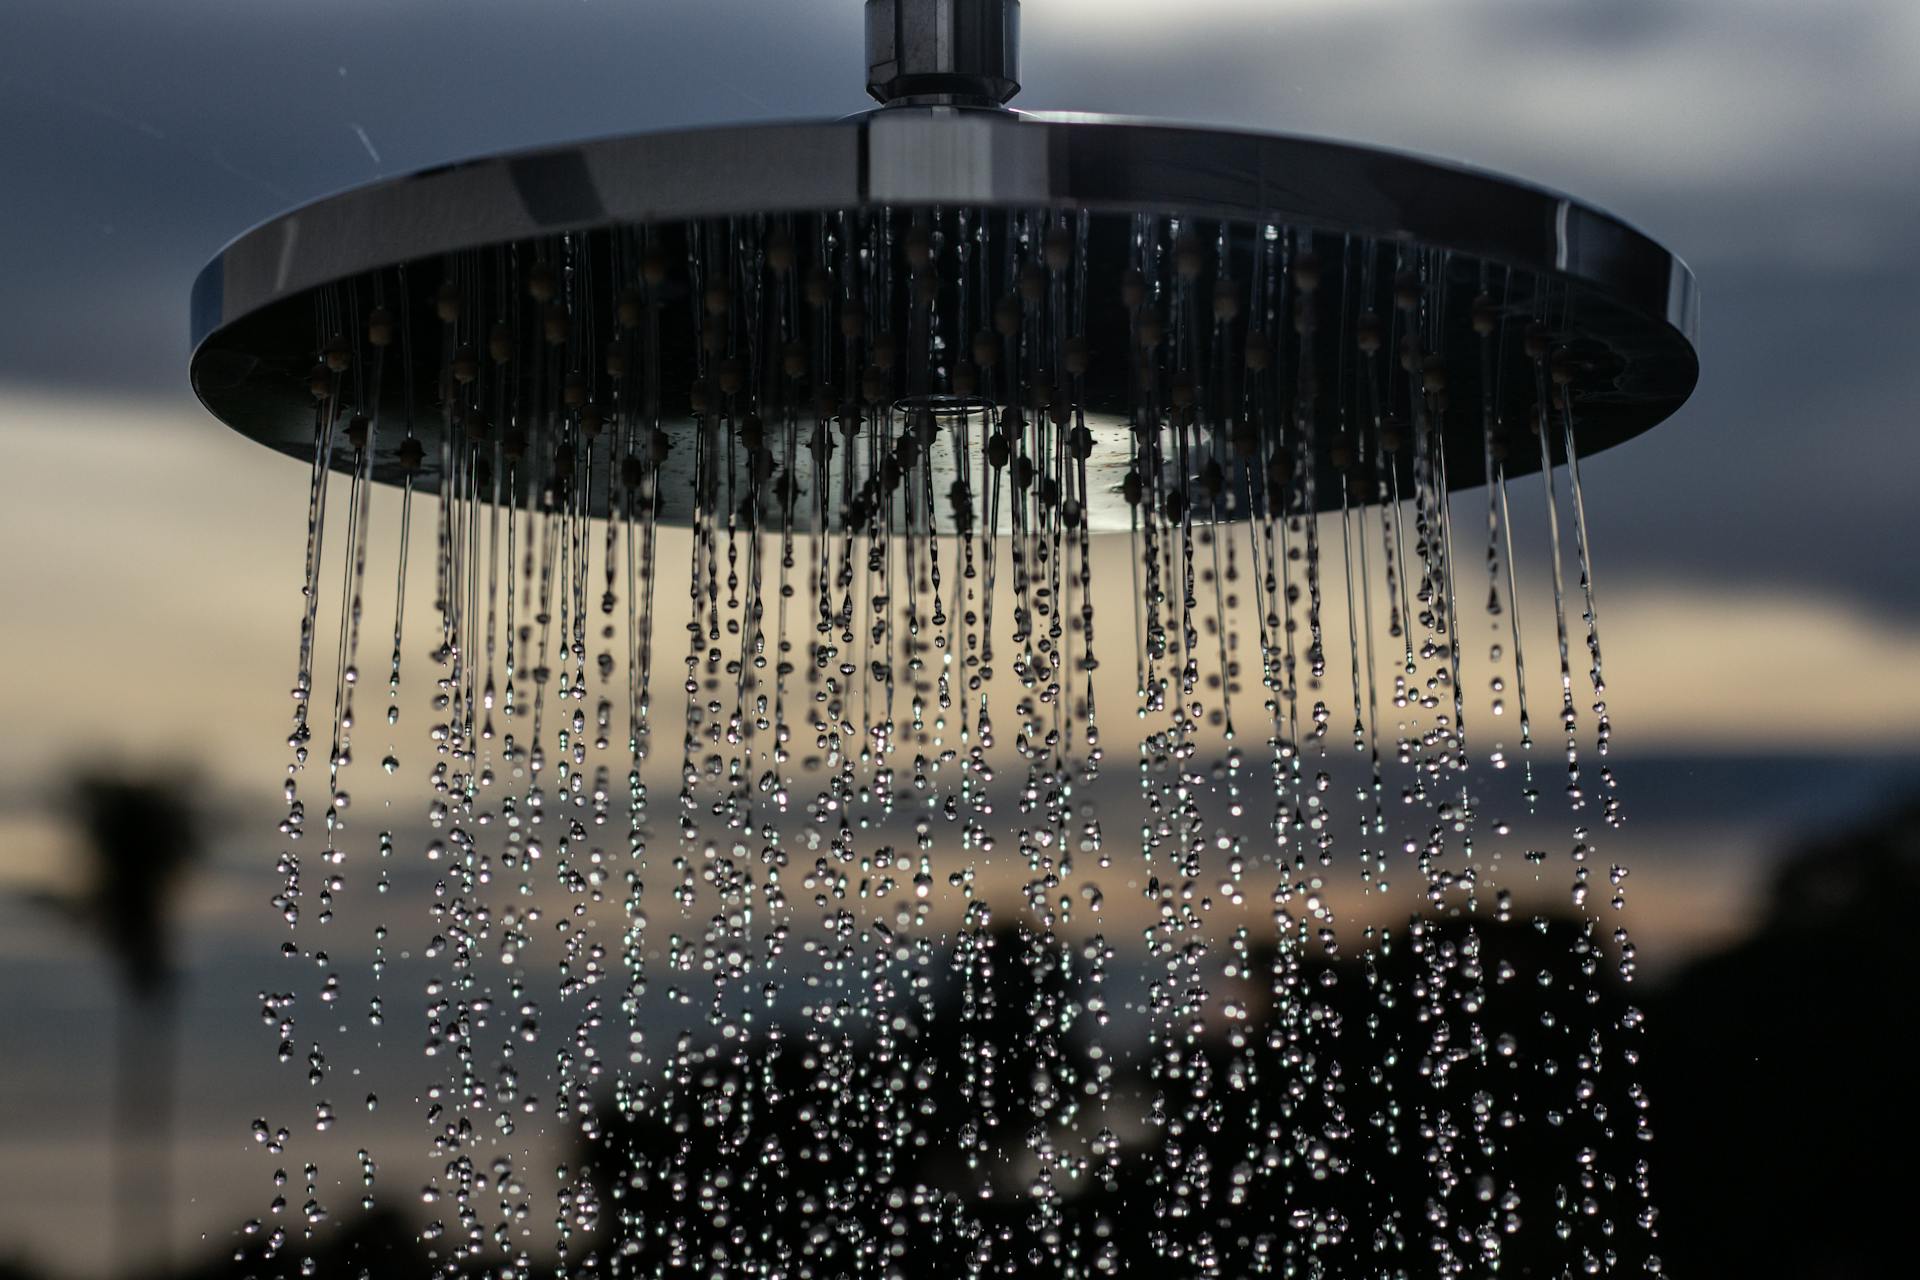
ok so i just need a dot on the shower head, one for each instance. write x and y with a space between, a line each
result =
853 282
818 346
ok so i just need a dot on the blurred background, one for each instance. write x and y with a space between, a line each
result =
1756 555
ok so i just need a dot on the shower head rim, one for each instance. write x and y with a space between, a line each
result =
1614 285
920 156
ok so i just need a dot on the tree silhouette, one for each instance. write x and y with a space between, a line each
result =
1782 1073
378 1245
978 1138
1776 1069
141 840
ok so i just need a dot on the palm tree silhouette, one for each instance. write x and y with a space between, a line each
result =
141 839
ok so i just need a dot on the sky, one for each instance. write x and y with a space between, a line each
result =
1755 553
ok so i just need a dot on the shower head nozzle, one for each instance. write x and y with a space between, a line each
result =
943 52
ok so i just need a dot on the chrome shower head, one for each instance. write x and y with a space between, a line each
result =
894 372
783 272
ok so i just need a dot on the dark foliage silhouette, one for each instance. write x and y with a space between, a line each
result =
1783 1068
380 1245
141 842
1775 1070
1243 1148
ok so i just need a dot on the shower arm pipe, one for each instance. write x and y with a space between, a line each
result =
943 53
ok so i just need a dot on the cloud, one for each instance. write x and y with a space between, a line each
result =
1679 92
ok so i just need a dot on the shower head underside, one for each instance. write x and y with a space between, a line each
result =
818 322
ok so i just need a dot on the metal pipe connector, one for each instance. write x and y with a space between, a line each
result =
963 53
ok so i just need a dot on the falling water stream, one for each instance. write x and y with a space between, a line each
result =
905 962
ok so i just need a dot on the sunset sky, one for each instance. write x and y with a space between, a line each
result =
1755 555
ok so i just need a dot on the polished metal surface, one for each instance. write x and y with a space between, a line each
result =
1627 307
943 52
942 156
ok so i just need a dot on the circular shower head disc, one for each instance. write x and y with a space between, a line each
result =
758 317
